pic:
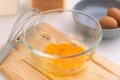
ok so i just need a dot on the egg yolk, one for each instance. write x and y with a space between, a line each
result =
65 49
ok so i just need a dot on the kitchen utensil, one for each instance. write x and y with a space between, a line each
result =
63 21
14 37
98 9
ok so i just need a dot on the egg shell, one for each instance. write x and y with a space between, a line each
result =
115 13
108 22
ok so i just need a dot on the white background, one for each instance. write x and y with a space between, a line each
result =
109 48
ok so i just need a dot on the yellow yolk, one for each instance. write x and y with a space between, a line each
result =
65 49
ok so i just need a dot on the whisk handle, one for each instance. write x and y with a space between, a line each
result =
5 51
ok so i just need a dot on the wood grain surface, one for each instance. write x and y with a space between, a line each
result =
19 65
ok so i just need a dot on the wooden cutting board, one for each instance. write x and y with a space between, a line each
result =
19 65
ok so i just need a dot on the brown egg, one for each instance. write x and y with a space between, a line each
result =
108 22
115 13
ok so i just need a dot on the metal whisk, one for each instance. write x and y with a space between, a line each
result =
14 37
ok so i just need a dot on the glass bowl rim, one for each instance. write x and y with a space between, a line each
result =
40 53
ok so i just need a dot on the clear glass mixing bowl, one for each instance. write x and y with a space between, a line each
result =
79 28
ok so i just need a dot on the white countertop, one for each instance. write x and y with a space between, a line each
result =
109 48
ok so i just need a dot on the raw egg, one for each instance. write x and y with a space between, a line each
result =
115 13
108 22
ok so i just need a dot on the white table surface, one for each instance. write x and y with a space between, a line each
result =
109 48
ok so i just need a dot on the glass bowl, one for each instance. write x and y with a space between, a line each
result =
66 29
